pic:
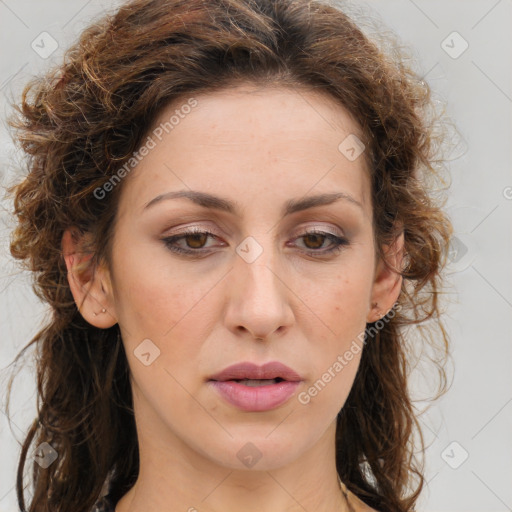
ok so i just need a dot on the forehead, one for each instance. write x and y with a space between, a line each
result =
276 139
296 109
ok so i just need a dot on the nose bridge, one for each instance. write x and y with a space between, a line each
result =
260 281
258 278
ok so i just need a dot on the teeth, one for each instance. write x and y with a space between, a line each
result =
255 382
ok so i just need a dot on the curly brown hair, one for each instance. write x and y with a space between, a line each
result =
83 120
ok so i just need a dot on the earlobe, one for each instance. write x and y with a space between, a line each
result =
89 284
387 281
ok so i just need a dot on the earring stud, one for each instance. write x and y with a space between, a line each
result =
102 311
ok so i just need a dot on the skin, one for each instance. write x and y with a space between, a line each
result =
259 147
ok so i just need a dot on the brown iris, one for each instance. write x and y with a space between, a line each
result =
198 240
318 240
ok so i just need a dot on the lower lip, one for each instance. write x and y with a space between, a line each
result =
255 398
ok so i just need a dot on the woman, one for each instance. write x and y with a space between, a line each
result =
228 210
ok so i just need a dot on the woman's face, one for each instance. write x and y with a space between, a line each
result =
288 275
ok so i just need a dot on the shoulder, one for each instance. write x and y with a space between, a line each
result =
354 502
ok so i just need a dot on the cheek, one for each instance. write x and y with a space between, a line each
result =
155 296
342 303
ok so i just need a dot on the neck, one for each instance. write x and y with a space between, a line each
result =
172 480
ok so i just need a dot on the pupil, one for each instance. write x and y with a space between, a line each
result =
317 238
197 238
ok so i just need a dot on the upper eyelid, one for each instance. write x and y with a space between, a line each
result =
297 231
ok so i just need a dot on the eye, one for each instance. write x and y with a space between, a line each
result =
195 241
315 239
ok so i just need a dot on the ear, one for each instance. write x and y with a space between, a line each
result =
387 280
90 285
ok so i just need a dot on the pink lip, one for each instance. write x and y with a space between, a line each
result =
247 370
261 398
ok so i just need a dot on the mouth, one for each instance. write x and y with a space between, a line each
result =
254 388
253 373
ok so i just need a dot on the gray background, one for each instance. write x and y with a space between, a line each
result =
468 431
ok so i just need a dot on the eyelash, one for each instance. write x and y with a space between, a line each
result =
339 242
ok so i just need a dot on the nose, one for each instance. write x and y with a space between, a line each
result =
258 299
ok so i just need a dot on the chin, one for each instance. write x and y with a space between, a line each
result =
258 449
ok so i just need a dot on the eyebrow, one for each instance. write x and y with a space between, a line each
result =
218 203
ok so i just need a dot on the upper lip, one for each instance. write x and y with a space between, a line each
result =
248 370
